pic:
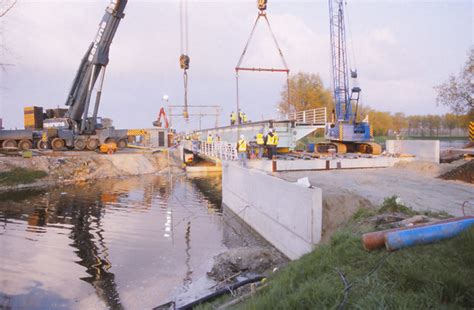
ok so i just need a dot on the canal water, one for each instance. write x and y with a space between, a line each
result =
130 243
448 144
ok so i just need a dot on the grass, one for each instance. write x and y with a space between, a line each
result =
20 176
439 275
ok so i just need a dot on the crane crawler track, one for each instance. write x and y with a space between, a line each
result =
349 147
369 148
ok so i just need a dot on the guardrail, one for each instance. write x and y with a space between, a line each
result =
221 150
316 116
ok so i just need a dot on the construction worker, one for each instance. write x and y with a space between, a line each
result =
242 150
233 118
271 142
241 116
209 138
259 138
244 117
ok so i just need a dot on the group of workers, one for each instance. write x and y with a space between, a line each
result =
242 118
210 139
268 141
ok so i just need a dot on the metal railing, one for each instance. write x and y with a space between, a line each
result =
221 150
316 116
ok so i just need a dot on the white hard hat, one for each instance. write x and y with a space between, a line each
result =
242 136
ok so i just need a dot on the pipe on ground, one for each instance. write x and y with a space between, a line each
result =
424 235
376 240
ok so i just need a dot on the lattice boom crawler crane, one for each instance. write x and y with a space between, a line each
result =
344 132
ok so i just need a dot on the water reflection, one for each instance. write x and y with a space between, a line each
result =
87 237
126 243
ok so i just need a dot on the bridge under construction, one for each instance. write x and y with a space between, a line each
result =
297 126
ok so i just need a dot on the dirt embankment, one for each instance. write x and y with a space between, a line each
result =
464 172
69 168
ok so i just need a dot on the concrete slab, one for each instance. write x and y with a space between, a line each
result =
286 214
415 183
424 150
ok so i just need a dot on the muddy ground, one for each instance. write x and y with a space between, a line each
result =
464 172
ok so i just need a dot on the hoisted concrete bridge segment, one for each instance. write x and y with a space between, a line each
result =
297 126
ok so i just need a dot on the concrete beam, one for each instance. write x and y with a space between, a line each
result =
324 164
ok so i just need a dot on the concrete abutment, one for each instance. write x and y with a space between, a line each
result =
286 214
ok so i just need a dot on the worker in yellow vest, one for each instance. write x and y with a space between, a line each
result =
244 118
241 117
209 138
233 118
242 150
259 138
271 142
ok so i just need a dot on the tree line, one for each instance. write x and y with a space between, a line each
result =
307 91
386 123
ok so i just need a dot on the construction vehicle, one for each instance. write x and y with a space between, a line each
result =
108 148
75 128
345 133
158 122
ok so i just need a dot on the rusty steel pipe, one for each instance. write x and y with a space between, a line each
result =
274 164
376 240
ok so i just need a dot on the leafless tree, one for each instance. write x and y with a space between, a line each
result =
8 8
457 92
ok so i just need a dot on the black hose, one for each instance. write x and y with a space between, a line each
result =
216 294
221 292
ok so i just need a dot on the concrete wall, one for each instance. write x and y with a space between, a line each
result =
424 150
286 214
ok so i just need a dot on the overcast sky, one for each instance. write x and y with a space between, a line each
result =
401 48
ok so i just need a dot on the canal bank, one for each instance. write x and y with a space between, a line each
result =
73 167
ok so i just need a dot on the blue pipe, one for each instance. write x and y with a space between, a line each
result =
423 235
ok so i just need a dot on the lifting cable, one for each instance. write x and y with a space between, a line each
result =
184 58
262 6
351 41
352 63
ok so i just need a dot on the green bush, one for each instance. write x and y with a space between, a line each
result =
20 176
